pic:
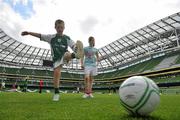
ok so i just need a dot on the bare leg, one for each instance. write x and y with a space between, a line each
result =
86 84
57 75
91 83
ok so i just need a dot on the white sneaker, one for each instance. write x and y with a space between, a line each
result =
85 96
79 51
91 96
56 97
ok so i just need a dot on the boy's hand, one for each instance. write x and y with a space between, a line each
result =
24 33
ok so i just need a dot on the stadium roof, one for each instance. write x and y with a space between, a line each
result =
154 38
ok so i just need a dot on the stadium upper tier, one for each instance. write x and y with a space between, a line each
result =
158 37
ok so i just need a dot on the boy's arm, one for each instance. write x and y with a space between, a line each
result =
31 33
71 44
97 56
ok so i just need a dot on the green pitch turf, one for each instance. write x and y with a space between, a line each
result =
34 106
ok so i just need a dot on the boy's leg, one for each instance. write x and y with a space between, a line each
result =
93 73
57 75
90 82
90 86
86 84
87 78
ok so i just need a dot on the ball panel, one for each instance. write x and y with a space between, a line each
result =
149 104
129 110
152 83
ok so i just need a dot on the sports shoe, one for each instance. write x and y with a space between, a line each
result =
56 97
79 51
85 96
91 96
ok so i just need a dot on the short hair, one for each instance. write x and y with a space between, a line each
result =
90 38
58 21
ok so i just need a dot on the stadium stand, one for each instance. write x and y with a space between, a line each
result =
166 63
151 51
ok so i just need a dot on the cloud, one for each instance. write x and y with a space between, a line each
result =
88 24
107 21
10 21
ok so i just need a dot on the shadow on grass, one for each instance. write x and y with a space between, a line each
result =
126 116
131 117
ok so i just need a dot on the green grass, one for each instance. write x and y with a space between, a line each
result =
34 106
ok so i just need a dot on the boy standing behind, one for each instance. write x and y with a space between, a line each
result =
89 64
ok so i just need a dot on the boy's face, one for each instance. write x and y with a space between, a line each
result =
60 28
92 42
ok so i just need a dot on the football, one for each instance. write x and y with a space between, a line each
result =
139 95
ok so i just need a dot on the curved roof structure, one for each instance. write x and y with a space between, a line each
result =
157 37
13 52
160 36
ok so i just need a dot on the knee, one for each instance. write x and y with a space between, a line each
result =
57 71
67 55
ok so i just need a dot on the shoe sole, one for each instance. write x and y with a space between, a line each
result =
80 50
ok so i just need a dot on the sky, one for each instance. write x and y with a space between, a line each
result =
106 20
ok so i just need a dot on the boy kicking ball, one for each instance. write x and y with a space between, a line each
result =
59 43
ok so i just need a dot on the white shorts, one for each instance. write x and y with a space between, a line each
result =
62 61
58 63
90 70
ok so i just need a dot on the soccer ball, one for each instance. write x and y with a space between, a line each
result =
139 95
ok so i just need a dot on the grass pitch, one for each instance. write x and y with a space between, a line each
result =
35 106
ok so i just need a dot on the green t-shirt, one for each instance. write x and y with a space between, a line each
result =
59 45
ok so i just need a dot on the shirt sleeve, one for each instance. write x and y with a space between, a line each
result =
46 38
71 44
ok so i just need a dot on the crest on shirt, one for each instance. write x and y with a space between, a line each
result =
59 40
